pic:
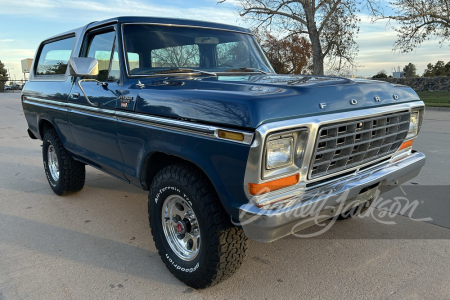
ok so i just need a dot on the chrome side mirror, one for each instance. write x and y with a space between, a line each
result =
83 66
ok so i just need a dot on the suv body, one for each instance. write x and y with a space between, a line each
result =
114 95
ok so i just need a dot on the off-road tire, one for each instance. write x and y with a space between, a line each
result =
223 246
72 173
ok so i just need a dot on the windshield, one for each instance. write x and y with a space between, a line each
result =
154 48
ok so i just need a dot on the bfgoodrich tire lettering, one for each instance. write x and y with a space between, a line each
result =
71 173
222 246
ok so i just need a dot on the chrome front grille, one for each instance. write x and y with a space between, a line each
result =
344 146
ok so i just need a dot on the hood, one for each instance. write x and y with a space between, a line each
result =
248 101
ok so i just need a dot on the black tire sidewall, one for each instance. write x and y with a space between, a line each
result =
156 200
50 140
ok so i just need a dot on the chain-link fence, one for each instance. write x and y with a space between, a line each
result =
11 86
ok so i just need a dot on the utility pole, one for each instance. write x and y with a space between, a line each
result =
9 74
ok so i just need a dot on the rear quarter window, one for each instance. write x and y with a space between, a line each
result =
54 57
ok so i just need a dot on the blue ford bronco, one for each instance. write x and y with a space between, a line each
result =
193 112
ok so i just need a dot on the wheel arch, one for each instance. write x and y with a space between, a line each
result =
43 125
156 161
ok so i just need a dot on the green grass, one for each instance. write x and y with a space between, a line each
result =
435 98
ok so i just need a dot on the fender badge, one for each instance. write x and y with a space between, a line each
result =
377 99
322 105
353 102
126 99
395 97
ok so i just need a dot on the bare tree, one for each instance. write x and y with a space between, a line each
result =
176 57
233 54
331 25
419 21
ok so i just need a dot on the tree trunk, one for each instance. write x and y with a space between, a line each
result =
314 37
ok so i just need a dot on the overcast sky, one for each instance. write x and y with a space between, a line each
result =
25 23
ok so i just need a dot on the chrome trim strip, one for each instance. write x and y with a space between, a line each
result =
46 105
58 103
256 155
125 59
140 119
162 126
75 107
167 122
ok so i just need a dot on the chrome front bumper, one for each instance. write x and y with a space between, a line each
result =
326 201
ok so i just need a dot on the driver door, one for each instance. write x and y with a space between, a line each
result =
94 100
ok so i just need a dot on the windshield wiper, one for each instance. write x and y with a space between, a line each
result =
182 70
246 70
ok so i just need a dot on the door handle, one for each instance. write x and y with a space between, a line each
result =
75 95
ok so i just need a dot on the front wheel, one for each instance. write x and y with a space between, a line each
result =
193 234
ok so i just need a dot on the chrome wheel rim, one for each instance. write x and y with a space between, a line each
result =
177 213
53 162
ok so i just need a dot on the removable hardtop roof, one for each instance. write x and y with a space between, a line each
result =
153 20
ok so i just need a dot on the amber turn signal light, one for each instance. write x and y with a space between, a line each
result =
230 135
406 145
262 188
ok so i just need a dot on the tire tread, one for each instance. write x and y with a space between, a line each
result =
228 244
73 175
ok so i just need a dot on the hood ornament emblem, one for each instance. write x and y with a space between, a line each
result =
140 84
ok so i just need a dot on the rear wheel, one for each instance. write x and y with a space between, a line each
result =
64 174
192 232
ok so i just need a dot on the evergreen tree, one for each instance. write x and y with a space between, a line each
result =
381 74
3 76
410 70
429 71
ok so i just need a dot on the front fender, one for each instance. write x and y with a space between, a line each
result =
223 162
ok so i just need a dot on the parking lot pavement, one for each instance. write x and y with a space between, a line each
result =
96 244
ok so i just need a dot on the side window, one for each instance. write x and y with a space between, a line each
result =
54 57
100 46
187 56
